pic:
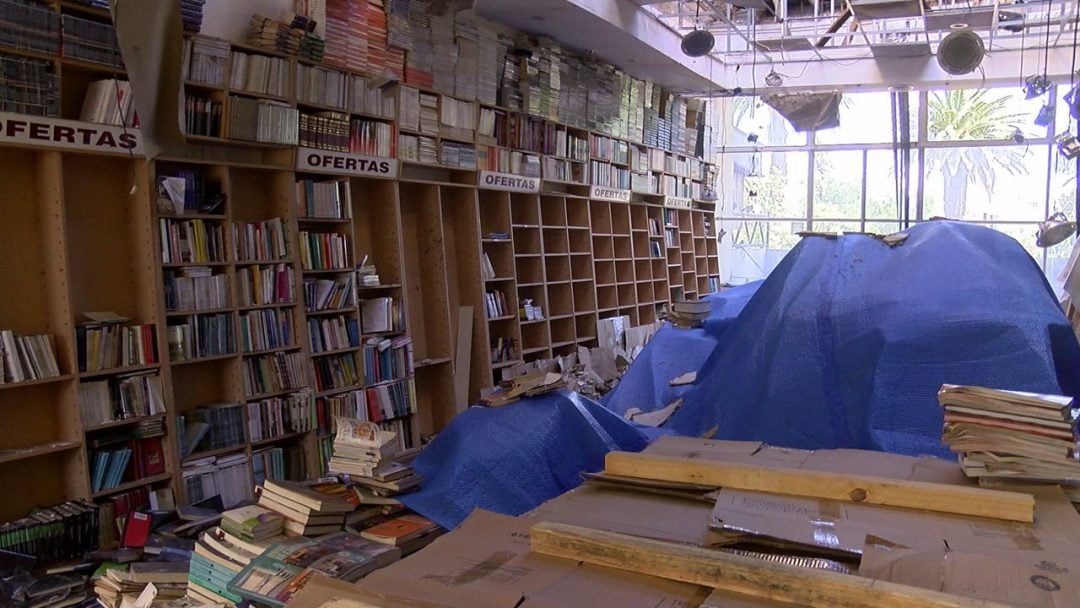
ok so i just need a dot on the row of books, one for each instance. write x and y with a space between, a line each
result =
120 398
53 534
385 403
29 26
260 241
194 288
387 359
127 460
382 315
202 336
228 476
326 334
109 102
206 60
25 358
489 158
211 427
608 149
279 416
202 116
263 120
28 86
457 155
191 241
324 199
496 304
418 149
321 86
274 373
266 328
90 41
260 74
264 285
563 170
324 251
329 294
676 186
608 175
335 371
278 462
336 132
199 191
111 345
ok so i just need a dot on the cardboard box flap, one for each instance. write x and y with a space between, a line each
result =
487 562
1032 579
843 526
706 449
323 592
723 599
631 512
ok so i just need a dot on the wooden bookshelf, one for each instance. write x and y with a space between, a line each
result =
83 234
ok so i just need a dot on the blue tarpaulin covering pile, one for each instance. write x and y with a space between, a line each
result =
844 345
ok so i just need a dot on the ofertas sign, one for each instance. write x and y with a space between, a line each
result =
678 202
615 195
68 134
509 182
340 163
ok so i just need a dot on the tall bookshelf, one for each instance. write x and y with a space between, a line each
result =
84 234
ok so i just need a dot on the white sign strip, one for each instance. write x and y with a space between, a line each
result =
615 195
493 180
342 163
678 202
69 134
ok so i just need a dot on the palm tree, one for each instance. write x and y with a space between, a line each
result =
964 114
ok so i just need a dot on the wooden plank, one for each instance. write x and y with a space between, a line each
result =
961 500
735 573
463 357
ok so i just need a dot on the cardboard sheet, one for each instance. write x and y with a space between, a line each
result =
486 562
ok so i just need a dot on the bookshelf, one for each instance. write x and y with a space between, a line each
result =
85 234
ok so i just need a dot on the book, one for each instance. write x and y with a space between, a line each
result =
399 530
304 495
252 522
280 572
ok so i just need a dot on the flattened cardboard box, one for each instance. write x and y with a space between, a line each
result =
487 562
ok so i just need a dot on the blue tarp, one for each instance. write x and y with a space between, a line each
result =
512 458
847 342
672 352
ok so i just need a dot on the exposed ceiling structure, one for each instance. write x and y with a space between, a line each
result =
809 43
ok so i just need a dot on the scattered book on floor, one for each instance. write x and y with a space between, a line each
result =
400 530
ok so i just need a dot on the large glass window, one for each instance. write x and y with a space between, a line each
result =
977 155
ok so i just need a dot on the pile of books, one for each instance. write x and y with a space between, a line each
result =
230 476
274 577
252 523
219 557
122 585
690 313
373 458
53 534
1011 434
307 512
366 274
191 14
267 33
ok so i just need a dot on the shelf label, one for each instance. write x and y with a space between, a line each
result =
69 134
602 193
342 163
678 202
493 180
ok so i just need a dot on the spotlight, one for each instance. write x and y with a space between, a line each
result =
697 43
1018 136
1073 99
1011 21
1045 115
1056 229
752 194
773 79
1035 85
752 138
1068 145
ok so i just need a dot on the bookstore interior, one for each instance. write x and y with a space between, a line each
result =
381 301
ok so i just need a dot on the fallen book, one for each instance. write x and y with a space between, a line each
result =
400 530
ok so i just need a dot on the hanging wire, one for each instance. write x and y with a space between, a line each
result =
1046 47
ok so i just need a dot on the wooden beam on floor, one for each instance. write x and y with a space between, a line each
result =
944 498
736 573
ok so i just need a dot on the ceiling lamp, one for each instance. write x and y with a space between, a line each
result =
1056 229
960 52
697 43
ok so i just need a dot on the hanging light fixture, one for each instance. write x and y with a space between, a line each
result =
699 42
1056 229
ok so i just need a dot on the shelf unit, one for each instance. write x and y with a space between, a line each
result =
84 235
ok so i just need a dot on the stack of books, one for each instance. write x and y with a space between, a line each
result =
372 457
409 532
273 578
267 33
252 523
1011 434
689 314
307 512
191 14
219 556
366 274
121 586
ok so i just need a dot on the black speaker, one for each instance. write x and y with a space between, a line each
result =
697 43
960 52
